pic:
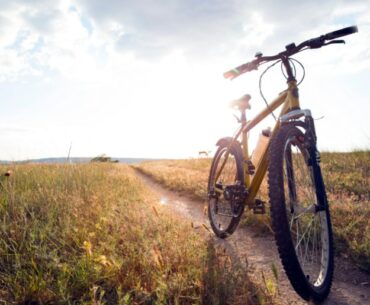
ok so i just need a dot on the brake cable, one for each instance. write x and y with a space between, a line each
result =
291 61
260 87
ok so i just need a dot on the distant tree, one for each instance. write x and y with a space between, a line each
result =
103 158
203 154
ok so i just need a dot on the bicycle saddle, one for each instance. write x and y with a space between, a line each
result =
242 103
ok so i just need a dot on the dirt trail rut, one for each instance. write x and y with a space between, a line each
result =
256 254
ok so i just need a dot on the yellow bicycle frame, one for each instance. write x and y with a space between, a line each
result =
290 101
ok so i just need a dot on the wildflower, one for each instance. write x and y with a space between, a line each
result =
102 259
88 247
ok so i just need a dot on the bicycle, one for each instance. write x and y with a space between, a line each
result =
298 204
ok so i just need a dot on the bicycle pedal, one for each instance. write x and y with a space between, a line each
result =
259 207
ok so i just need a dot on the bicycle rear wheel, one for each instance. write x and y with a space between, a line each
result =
225 189
300 220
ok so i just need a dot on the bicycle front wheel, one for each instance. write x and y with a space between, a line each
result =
300 221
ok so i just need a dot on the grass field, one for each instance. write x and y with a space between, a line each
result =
93 234
347 179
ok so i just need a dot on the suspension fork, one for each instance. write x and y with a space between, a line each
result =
291 178
315 162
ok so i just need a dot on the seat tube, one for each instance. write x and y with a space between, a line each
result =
245 151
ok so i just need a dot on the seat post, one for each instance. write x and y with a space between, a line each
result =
243 121
243 117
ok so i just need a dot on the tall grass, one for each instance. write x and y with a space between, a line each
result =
347 179
189 177
92 234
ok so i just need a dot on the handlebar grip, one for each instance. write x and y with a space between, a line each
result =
231 74
339 33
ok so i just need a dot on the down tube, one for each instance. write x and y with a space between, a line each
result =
262 166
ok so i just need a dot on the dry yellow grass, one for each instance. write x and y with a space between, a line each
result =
93 234
189 177
347 179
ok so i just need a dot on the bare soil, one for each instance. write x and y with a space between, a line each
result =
257 253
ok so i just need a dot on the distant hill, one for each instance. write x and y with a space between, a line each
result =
77 160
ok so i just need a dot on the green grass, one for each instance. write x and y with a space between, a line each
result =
347 179
93 234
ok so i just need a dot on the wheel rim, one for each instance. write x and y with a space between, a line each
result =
308 226
221 209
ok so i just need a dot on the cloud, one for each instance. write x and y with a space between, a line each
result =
207 27
122 63
13 129
69 37
152 28
40 37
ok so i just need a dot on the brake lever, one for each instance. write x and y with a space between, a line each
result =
334 41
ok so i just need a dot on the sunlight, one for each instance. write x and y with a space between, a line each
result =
127 86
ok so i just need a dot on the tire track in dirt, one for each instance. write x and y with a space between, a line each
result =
257 253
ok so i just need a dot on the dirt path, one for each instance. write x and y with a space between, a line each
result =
256 254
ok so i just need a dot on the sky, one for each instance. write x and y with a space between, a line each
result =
144 78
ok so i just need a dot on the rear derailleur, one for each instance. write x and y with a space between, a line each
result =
234 194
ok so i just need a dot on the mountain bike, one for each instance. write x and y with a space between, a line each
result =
298 204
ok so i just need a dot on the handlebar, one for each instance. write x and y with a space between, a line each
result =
340 33
290 50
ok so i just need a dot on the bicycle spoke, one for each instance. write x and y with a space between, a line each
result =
225 175
304 221
304 234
